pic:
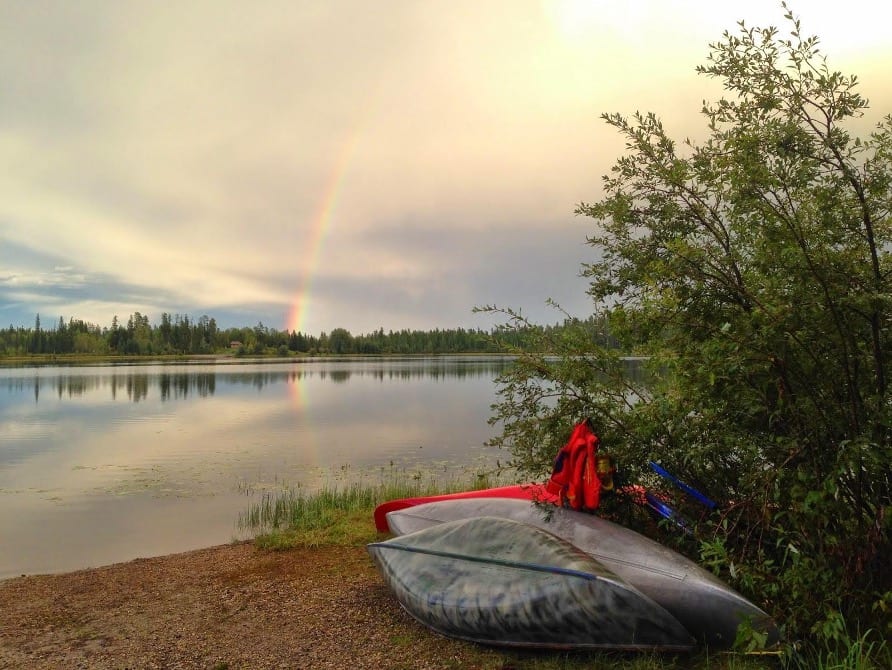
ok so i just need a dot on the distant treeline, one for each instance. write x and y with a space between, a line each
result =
180 335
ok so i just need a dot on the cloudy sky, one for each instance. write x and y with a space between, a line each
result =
340 163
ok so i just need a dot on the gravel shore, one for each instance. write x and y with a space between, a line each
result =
222 608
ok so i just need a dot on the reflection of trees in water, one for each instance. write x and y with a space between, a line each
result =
64 387
137 387
385 371
177 385
75 386
340 376
435 369
259 380
134 386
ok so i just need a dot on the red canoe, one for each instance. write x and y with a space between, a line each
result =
521 491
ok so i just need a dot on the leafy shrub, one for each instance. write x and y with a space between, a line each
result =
751 270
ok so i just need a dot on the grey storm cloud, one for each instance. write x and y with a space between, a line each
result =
381 165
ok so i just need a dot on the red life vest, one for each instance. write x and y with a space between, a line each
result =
574 477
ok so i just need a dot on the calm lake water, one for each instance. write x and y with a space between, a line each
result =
106 463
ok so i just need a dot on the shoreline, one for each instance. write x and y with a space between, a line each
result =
35 360
122 561
228 606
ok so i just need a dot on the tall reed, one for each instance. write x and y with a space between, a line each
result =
340 513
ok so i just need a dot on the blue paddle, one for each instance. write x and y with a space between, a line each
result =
660 508
684 487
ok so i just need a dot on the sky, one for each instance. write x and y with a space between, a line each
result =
342 164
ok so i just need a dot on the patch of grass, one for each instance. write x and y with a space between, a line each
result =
338 514
401 640
869 651
545 660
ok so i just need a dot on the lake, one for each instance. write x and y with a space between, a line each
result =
106 463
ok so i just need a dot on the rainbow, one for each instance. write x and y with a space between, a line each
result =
320 229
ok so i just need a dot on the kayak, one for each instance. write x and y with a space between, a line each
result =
527 492
501 582
530 492
707 607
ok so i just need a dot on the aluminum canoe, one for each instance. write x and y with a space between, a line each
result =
502 582
707 607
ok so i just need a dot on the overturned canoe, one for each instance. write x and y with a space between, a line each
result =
707 607
500 582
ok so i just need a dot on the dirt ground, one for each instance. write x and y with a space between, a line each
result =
222 608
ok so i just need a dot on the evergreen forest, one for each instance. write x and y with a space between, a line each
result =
180 335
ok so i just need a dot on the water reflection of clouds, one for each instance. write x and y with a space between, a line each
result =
361 423
18 430
125 447
85 450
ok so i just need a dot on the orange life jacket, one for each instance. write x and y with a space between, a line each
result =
574 477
